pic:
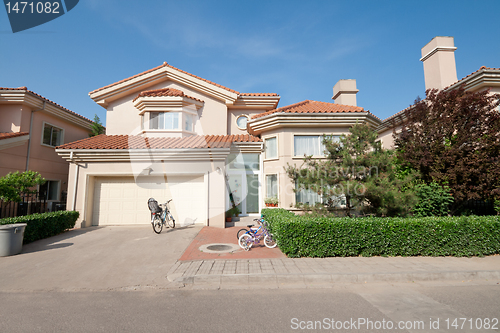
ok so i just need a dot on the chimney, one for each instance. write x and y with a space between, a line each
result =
344 92
438 57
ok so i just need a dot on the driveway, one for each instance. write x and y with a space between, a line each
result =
96 258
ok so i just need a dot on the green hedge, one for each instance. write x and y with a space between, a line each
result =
304 236
44 225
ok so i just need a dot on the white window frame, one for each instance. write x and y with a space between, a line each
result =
320 140
43 131
277 148
180 124
238 117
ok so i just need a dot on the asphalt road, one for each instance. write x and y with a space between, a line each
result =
353 306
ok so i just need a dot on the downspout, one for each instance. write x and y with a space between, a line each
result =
29 136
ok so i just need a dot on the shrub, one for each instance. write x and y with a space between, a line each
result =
433 200
40 226
305 236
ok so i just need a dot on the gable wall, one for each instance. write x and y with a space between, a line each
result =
123 118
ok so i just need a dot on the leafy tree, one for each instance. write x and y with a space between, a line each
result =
97 127
433 200
358 169
15 183
453 138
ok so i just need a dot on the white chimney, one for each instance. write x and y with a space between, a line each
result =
438 57
344 92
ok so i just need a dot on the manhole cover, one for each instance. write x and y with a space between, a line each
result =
219 247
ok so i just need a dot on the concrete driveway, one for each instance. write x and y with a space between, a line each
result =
96 258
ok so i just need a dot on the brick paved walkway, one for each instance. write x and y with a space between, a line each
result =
209 235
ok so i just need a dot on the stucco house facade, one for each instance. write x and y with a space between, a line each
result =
31 126
172 134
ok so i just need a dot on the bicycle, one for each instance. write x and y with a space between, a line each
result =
160 216
253 236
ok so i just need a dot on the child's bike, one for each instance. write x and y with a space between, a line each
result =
254 236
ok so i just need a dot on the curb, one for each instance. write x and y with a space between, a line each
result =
276 281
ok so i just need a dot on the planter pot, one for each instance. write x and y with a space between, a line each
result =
229 219
11 238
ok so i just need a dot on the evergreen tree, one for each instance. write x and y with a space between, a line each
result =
358 170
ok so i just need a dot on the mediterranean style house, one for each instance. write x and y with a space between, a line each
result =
31 126
172 134
440 72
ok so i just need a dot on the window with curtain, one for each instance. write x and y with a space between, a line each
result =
188 124
271 148
310 145
307 196
164 120
271 186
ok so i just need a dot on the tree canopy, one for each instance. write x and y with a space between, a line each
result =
15 183
357 169
97 128
453 138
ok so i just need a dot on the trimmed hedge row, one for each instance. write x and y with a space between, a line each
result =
305 236
40 226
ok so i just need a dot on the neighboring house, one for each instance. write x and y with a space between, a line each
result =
171 134
31 126
440 73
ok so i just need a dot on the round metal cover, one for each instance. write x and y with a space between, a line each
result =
219 247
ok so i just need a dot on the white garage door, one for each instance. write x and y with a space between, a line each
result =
123 200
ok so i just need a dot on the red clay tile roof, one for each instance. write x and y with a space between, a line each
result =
138 142
164 92
308 106
48 100
165 64
158 67
11 135
258 94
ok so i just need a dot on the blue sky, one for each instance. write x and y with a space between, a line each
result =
298 49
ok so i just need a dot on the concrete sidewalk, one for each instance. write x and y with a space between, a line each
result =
326 272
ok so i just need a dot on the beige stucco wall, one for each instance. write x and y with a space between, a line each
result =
234 114
122 118
85 178
386 137
285 139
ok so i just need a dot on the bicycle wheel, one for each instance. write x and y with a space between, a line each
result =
245 242
170 220
157 224
241 232
269 241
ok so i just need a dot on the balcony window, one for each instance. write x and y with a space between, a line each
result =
164 120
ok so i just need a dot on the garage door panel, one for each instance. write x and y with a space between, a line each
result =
122 200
